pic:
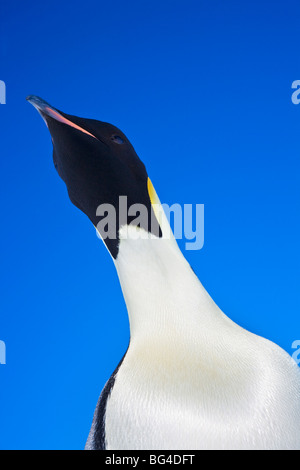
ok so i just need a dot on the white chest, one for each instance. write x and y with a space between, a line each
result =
232 401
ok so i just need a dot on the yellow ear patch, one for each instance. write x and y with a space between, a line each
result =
160 213
156 205
152 193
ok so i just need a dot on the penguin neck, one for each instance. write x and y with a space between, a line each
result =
160 288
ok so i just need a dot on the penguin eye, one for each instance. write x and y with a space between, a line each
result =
117 139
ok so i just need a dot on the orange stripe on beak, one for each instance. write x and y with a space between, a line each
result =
58 117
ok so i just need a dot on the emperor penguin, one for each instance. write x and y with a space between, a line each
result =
191 378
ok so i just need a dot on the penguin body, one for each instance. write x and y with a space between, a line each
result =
191 378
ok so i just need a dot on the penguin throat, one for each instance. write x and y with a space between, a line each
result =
160 289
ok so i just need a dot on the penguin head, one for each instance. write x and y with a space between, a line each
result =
100 168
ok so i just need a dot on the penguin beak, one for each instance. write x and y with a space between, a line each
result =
46 111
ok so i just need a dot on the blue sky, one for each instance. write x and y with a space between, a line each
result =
203 91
